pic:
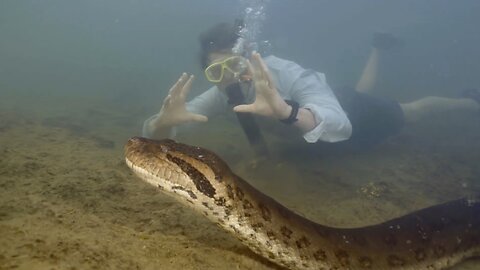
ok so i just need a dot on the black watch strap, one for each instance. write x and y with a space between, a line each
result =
292 118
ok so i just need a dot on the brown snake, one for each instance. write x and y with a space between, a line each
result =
433 238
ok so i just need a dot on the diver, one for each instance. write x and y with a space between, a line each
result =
299 98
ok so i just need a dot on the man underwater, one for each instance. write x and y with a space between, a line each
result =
282 90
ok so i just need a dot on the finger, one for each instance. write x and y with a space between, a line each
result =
262 64
176 94
245 108
175 85
264 68
166 103
167 100
178 85
186 88
199 118
257 64
254 71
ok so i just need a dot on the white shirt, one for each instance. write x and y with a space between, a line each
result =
307 87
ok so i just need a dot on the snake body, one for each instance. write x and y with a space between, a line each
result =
432 238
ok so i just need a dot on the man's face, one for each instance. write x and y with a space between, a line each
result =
227 66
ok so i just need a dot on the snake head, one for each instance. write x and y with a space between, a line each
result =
176 167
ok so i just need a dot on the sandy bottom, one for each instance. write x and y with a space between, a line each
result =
68 201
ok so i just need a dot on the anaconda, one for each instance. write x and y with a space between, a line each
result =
432 238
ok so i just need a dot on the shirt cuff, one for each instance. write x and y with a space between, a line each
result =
333 126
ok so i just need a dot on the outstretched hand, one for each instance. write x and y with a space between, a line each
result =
173 111
268 101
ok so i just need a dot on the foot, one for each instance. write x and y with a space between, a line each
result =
472 93
385 41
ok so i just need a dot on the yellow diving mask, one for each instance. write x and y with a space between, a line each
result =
234 64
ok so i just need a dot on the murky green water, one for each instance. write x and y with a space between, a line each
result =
78 79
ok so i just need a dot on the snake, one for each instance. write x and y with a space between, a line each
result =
436 237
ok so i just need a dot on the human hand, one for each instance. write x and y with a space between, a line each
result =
173 111
268 101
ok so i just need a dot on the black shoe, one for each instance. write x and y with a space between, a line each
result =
472 93
385 41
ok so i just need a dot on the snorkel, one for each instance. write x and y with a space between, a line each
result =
236 96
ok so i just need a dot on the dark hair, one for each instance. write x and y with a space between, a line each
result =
220 37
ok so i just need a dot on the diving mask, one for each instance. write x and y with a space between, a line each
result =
237 65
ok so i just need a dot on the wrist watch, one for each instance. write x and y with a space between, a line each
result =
292 118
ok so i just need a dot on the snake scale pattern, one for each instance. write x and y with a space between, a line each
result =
432 238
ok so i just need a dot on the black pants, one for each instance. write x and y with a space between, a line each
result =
373 119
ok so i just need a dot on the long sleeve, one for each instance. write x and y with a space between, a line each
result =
307 87
311 91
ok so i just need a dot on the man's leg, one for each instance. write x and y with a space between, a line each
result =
369 74
427 106
381 42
